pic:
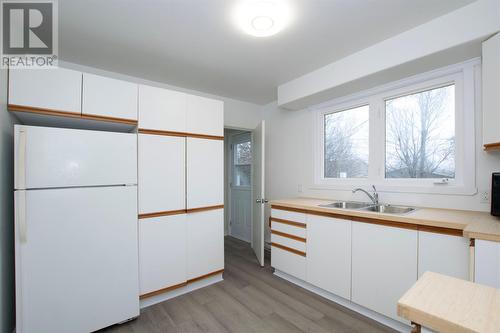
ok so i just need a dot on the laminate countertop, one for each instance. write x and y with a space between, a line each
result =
473 224
447 304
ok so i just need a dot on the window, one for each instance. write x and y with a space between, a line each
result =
420 134
242 163
415 135
346 143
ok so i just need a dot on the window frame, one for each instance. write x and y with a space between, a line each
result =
235 140
466 78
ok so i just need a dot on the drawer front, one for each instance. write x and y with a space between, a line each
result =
288 242
288 229
289 216
288 262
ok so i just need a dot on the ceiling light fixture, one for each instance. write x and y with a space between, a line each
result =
262 18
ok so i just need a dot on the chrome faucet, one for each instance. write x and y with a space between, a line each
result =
373 198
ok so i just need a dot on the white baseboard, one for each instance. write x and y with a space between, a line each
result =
180 291
394 324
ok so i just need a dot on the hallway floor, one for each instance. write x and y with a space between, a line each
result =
250 299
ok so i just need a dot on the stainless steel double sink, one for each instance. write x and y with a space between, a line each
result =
368 206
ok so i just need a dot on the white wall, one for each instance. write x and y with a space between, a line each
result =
289 163
7 315
237 114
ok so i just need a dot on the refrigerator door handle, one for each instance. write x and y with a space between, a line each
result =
21 216
21 161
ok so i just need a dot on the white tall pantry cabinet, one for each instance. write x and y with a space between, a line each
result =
181 165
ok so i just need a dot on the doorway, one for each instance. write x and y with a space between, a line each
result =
238 181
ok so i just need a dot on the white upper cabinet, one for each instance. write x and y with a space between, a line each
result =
205 235
161 173
205 116
107 97
491 90
162 252
445 254
384 266
52 89
329 254
162 109
205 172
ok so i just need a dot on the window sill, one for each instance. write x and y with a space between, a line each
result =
348 185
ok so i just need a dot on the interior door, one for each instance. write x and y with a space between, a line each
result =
258 137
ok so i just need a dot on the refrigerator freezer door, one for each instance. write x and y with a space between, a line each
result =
54 157
77 266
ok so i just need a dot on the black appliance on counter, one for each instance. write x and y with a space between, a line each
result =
495 194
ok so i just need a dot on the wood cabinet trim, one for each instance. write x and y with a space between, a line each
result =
69 114
220 271
387 223
203 209
292 223
180 134
164 213
284 234
289 249
180 285
163 290
492 146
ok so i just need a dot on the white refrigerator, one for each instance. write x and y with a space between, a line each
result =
76 251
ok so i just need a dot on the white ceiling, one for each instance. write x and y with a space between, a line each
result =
194 44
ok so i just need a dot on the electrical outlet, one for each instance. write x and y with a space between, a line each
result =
299 188
485 196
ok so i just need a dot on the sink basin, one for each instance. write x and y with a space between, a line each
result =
347 205
388 209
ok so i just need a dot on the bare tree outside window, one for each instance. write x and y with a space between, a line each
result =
346 143
420 135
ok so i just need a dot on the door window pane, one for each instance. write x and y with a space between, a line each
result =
346 143
242 164
420 135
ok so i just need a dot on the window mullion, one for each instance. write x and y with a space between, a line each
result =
377 140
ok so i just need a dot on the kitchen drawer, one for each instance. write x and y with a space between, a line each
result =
288 262
288 242
288 229
289 216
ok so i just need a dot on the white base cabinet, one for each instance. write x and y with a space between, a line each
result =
487 263
205 243
384 266
329 254
162 252
445 254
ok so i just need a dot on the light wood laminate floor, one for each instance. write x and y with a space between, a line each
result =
250 299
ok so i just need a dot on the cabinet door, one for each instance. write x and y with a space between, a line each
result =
52 89
109 97
384 266
162 109
162 252
487 262
205 172
491 89
205 116
329 254
445 254
161 173
205 232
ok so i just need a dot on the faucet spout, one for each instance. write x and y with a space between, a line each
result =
373 198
